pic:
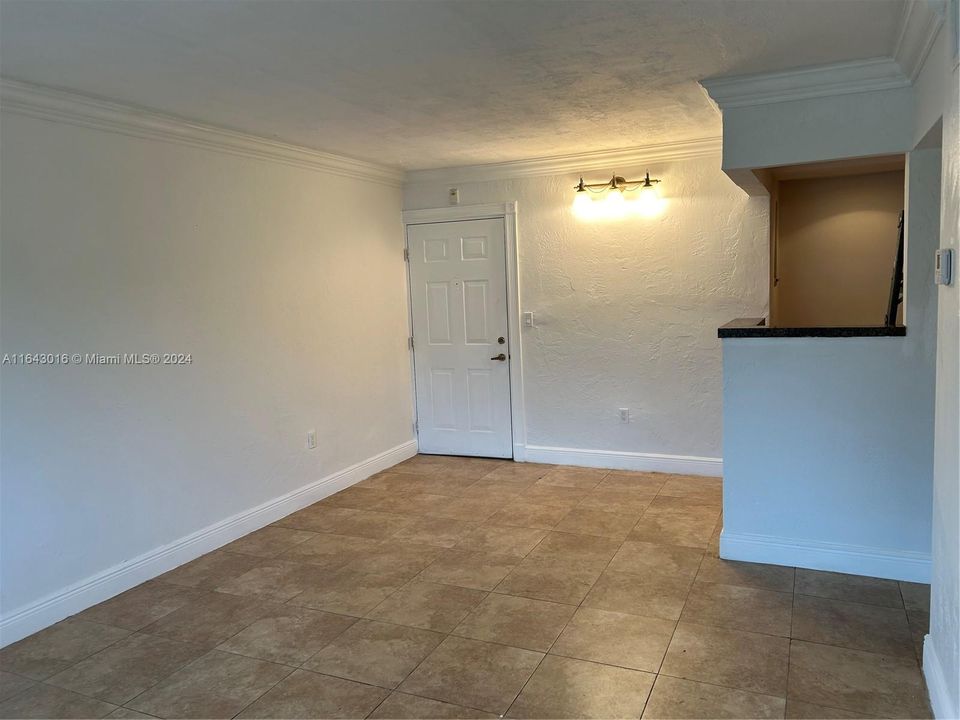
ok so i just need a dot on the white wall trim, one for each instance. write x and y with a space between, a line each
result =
97 588
518 402
608 160
508 212
73 108
919 25
621 460
802 83
940 702
836 557
457 213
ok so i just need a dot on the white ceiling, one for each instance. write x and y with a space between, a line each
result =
434 83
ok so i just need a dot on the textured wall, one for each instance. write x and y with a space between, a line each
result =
627 310
287 288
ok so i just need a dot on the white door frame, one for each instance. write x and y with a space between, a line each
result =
508 213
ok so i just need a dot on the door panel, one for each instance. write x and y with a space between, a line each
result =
475 312
459 298
438 313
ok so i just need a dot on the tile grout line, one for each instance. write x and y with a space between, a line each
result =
718 685
450 633
131 699
389 692
793 602
790 640
44 681
676 624
215 648
446 636
574 613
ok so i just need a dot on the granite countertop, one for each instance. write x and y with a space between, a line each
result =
758 328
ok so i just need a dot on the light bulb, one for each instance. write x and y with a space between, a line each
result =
614 204
648 202
583 204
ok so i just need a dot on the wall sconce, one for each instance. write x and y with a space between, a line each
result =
610 199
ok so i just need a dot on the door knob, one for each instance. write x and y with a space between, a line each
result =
501 357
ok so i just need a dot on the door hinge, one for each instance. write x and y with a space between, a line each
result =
410 342
406 254
416 427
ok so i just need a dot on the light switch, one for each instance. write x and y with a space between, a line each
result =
528 319
943 267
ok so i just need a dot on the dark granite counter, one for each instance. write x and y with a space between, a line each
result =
758 328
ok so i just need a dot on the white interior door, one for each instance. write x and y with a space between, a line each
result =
461 345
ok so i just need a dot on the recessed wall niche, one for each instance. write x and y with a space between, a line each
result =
833 241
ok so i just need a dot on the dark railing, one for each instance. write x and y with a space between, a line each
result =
896 282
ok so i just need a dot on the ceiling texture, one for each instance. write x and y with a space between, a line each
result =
434 83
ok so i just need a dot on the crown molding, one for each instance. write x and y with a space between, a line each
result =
572 163
73 108
921 21
803 83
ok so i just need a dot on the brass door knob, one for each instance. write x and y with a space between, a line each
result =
501 357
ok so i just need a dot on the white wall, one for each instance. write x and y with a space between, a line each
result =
938 95
786 133
627 310
827 455
285 284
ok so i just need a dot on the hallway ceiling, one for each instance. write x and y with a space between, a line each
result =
426 83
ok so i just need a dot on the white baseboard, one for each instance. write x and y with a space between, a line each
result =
113 581
617 460
944 708
852 559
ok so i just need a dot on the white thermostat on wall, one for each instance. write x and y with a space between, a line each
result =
943 267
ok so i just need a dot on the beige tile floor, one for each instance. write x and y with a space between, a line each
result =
465 588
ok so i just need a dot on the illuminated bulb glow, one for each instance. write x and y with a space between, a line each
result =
648 202
583 204
616 204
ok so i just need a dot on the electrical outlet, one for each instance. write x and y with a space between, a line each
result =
624 415
453 196
311 439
